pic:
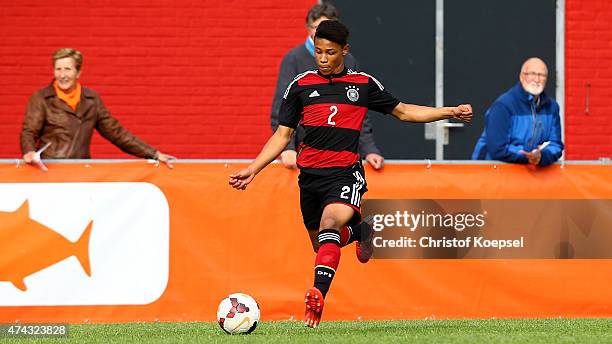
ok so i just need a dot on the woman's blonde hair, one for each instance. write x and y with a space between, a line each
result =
69 52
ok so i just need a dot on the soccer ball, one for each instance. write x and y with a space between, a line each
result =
238 313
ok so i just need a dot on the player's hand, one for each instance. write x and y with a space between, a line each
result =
165 158
534 156
375 160
463 112
289 158
33 158
241 179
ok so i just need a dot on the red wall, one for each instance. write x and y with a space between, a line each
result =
196 78
588 44
192 78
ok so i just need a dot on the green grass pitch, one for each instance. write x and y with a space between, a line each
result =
413 331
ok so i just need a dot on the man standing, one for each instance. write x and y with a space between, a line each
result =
331 104
301 59
523 125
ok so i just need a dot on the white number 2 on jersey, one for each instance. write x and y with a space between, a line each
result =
334 111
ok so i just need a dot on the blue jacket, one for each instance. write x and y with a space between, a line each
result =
514 122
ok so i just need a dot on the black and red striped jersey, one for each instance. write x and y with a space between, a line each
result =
331 109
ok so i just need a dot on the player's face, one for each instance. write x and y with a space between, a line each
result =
533 76
66 74
330 56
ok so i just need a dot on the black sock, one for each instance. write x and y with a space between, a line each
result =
365 230
361 230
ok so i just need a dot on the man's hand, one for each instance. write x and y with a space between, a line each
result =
289 158
33 158
165 158
375 160
534 156
463 112
241 179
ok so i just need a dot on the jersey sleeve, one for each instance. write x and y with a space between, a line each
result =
379 99
291 107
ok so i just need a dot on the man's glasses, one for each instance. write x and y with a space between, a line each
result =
534 75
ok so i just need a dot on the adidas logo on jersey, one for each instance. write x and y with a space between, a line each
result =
314 94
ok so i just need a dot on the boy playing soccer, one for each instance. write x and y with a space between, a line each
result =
331 103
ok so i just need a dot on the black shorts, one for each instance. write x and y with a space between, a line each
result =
316 192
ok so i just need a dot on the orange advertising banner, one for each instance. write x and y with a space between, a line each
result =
130 241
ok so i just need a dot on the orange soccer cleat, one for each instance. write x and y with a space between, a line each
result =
314 307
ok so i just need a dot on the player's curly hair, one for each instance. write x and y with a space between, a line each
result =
334 31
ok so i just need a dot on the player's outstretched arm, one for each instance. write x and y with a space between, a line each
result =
418 113
275 145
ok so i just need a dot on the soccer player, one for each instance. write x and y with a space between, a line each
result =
331 103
